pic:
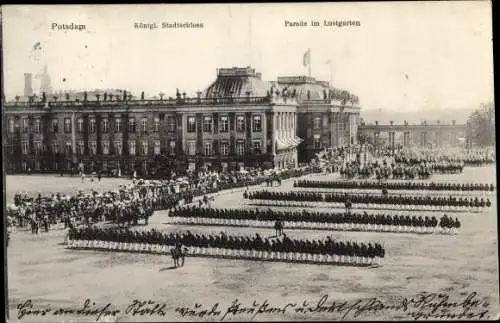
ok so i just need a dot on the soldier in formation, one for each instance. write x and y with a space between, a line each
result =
449 160
378 200
320 220
223 245
403 185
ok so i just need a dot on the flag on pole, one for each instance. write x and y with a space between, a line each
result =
329 62
307 58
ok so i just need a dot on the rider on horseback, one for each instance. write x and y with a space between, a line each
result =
178 252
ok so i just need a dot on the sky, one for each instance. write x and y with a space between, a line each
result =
403 56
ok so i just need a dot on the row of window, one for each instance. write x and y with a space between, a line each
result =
207 124
317 123
223 148
171 124
105 125
118 146
25 125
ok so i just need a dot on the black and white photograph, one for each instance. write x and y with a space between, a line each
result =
249 162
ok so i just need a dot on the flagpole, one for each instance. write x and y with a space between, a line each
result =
250 38
309 64
331 73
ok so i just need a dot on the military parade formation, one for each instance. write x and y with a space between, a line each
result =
384 171
223 245
128 204
368 199
342 221
399 185
85 214
457 156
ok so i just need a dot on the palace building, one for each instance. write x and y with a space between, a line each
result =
424 135
238 120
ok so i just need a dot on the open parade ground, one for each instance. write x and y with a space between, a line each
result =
42 270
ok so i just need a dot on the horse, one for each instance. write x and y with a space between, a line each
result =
178 253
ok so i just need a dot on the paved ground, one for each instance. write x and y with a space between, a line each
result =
41 269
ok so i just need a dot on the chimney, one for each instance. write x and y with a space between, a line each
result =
391 122
28 84
376 123
453 122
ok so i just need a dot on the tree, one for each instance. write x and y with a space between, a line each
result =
481 125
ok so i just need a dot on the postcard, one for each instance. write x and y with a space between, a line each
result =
249 162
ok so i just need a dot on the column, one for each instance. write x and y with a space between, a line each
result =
179 136
280 123
273 140
232 138
249 126
331 124
73 137
423 139
287 123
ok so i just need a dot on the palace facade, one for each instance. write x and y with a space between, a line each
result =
239 120
423 135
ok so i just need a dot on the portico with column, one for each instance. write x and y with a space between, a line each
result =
284 137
